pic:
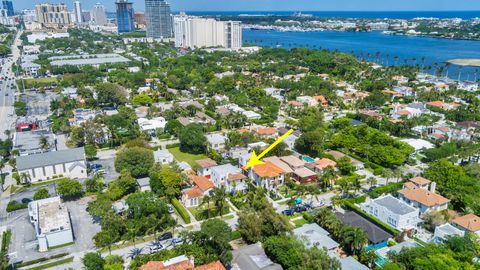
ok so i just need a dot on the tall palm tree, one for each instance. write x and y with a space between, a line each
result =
354 239
2 178
207 199
371 181
219 197
44 144
25 178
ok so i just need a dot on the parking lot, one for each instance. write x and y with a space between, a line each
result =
38 104
107 160
24 244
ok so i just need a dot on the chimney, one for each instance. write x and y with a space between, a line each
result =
433 186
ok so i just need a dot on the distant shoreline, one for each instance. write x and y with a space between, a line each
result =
465 62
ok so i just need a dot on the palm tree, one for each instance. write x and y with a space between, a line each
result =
2 178
371 181
354 239
206 200
25 178
387 173
44 144
219 197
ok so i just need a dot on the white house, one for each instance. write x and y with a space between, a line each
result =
201 186
392 211
267 175
216 141
310 101
229 176
204 166
444 231
51 221
69 163
468 223
163 156
150 125
423 199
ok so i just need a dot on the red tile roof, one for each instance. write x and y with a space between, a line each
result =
324 163
267 169
211 266
194 192
202 182
424 197
206 163
469 222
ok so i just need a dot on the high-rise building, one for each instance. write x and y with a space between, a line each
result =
139 18
158 19
8 6
53 15
99 16
77 10
125 15
196 32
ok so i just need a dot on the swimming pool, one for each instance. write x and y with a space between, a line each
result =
308 159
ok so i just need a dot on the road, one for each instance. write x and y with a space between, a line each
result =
7 93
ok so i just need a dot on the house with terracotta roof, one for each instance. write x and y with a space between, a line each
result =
201 186
267 175
420 182
321 100
279 163
204 166
267 132
181 263
468 223
324 163
424 200
443 105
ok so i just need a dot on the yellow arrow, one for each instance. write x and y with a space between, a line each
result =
255 160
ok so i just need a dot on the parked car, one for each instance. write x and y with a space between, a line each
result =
300 208
288 212
177 241
156 248
26 200
165 236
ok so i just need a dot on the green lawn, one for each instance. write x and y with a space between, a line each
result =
189 158
38 82
299 222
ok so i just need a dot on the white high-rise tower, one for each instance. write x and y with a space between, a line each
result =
77 10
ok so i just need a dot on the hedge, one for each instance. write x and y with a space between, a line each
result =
390 188
39 260
173 145
181 210
376 221
14 205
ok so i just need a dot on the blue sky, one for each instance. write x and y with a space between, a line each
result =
285 5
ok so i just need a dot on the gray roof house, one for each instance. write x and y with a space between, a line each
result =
216 141
253 257
67 163
163 156
375 234
312 235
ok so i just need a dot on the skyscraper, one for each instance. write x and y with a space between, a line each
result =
99 16
158 19
125 15
77 10
8 6
195 32
53 15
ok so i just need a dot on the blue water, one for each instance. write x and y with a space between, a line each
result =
358 14
362 44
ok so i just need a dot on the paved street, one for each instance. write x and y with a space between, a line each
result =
7 93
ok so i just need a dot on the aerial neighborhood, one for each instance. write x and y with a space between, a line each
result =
127 143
